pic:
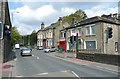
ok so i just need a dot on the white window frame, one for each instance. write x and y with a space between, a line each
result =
1 30
85 47
80 32
90 29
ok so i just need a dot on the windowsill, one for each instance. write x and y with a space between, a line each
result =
91 35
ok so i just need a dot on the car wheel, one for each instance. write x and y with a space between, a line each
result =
21 54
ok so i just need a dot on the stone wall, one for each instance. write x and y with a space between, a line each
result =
102 58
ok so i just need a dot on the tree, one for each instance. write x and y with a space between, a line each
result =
15 35
78 15
33 38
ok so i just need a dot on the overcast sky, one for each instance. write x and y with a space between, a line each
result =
27 16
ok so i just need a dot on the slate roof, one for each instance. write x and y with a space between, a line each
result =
95 20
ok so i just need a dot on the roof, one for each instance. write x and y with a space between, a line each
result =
95 20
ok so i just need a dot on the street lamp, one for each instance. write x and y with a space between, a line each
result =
13 16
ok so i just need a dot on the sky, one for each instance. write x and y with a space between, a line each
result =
27 16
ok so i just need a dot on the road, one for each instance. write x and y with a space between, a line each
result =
40 65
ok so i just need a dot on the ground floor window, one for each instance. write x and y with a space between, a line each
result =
90 44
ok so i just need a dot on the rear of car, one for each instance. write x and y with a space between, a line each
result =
53 49
39 47
26 52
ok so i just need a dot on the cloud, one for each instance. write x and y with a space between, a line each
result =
100 10
28 19
30 16
63 0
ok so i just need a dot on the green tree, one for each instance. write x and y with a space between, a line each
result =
15 35
78 15
33 38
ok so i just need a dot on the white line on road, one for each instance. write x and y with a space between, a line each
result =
19 76
15 59
10 74
32 55
106 69
64 71
38 58
43 73
75 74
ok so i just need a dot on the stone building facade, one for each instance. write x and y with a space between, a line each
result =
5 36
45 36
49 36
92 37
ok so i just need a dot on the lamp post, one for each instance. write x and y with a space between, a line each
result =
12 14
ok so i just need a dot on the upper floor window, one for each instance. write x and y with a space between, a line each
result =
50 34
1 30
79 31
40 36
90 30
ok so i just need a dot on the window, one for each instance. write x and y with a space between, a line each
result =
1 30
50 34
87 30
90 30
90 44
79 32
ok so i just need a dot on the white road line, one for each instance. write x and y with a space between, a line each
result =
64 71
32 55
38 58
15 59
105 68
75 74
10 74
43 73
19 76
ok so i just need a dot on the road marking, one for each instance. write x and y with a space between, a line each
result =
15 59
75 74
32 55
19 76
10 74
64 71
43 73
38 58
106 69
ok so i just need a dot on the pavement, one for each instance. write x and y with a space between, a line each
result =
8 66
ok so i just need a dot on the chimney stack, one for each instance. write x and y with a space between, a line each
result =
42 25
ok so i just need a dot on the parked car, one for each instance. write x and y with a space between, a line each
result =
53 49
40 48
47 50
50 49
26 51
29 47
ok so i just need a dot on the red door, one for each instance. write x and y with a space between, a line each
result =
62 45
